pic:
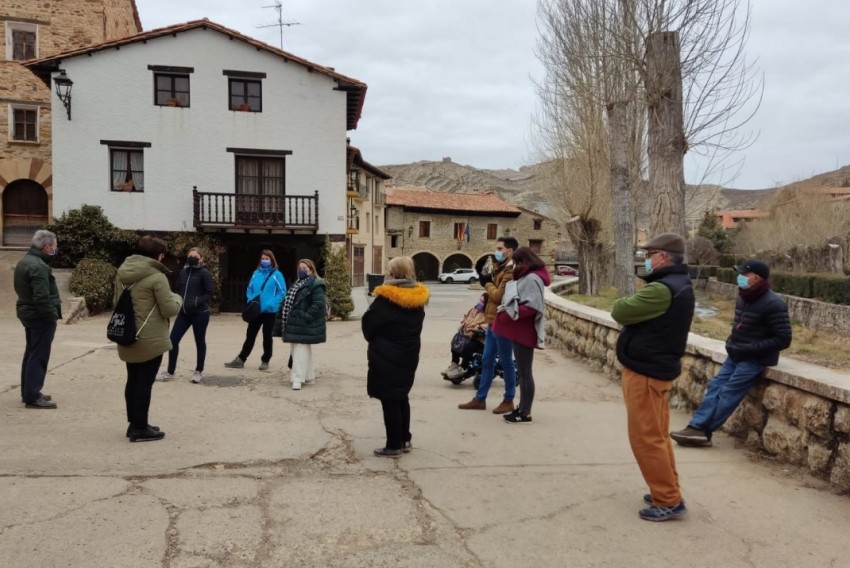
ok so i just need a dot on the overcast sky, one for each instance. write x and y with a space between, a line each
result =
454 77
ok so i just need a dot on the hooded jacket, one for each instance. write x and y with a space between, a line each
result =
273 293
38 296
307 322
151 295
392 326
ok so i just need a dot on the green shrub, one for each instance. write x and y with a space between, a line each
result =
832 289
94 280
727 275
702 270
337 283
87 233
793 284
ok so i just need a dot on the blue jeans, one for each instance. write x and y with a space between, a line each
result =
725 392
505 347
198 322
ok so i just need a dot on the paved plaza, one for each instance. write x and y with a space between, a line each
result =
253 474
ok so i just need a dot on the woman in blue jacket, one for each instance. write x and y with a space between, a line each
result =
268 283
195 286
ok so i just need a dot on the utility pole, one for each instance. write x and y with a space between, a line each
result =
280 24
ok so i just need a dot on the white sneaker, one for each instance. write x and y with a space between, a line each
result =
164 376
197 377
453 367
296 386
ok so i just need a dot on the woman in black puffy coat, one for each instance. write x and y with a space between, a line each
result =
392 326
195 286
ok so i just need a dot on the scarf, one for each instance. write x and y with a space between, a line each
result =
290 299
755 291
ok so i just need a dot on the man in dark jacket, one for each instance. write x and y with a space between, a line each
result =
38 308
656 321
761 329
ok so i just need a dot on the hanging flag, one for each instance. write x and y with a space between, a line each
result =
467 232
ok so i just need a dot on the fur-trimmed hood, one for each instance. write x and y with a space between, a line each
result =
407 297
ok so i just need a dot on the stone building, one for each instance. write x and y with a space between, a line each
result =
443 231
34 30
365 231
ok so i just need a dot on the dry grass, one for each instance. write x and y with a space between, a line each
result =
816 347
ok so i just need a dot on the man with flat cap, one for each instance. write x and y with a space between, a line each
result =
656 321
760 330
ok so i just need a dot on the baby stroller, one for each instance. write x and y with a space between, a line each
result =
469 349
475 365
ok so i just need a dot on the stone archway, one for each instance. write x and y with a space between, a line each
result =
455 261
25 210
427 266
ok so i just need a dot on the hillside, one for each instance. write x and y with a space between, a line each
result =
519 186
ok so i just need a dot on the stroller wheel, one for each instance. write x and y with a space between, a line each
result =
456 381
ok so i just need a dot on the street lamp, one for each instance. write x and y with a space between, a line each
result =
410 231
63 85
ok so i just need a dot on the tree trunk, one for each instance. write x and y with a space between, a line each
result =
621 195
666 134
593 260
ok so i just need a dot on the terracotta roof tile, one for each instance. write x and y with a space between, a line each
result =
421 198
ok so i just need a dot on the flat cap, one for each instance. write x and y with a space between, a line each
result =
668 242
755 266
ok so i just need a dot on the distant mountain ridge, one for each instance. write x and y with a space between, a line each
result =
519 186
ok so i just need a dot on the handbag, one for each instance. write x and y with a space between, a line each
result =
251 313
459 341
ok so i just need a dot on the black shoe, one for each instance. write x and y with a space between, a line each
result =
387 453
146 435
41 403
130 429
407 447
516 417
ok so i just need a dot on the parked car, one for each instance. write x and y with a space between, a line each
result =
459 275
564 270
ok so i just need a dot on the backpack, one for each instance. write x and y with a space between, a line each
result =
121 328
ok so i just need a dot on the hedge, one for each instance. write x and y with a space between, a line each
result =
94 280
829 288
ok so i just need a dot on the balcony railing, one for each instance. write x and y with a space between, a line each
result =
245 211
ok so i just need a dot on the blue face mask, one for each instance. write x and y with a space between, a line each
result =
499 256
266 263
479 306
302 274
647 265
743 282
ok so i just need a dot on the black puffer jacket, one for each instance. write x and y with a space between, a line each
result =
195 286
392 326
760 330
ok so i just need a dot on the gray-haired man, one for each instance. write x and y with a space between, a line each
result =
38 308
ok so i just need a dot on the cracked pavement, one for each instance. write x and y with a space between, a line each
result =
253 474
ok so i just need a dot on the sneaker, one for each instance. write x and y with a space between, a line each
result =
516 417
407 447
457 373
647 498
504 407
165 376
237 363
264 366
691 436
197 377
130 429
296 386
146 435
659 514
450 369
387 453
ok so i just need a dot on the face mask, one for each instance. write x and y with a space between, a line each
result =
302 274
647 265
54 252
479 306
499 256
266 263
743 282
192 261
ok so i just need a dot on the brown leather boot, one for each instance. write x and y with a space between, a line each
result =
473 404
504 407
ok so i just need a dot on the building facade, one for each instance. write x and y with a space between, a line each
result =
205 129
444 231
366 231
33 30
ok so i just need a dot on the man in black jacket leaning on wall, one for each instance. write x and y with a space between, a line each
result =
760 330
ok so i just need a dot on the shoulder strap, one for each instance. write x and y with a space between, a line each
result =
267 280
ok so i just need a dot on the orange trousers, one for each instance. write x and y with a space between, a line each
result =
648 415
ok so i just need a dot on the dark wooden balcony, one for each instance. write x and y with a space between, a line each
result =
231 211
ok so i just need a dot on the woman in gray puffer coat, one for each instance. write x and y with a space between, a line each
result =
301 321
153 304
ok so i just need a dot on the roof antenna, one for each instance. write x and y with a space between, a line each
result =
278 6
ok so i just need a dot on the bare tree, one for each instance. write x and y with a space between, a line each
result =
593 50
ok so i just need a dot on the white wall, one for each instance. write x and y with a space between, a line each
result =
112 99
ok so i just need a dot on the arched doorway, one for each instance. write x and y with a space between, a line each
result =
24 211
455 261
427 266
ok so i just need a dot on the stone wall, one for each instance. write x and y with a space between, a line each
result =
810 313
798 413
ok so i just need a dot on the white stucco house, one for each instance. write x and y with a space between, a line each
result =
196 127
